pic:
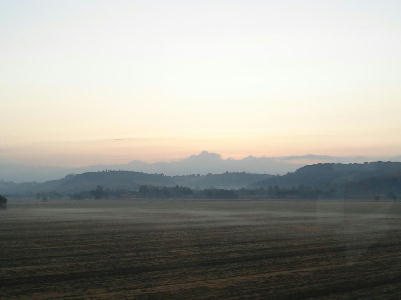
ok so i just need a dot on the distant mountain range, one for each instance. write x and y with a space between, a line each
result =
202 163
375 179
331 175
329 179
129 181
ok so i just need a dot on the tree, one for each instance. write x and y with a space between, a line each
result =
143 189
99 192
3 201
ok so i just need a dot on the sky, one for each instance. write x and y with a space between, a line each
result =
84 82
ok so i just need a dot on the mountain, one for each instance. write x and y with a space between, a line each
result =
116 180
202 163
330 180
205 163
233 180
389 185
330 175
23 173
129 181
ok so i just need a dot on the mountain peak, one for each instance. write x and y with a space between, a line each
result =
206 155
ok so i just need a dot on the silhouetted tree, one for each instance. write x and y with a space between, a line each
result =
3 201
99 192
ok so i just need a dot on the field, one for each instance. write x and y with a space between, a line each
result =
175 249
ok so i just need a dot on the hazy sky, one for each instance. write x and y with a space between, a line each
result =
106 81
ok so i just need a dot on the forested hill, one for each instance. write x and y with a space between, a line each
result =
116 180
330 175
228 180
320 180
131 181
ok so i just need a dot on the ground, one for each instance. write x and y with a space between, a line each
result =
187 249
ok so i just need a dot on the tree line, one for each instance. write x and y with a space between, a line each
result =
273 192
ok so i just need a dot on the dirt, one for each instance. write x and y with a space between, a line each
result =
177 249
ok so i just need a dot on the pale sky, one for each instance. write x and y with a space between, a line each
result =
85 82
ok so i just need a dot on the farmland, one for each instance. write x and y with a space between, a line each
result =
200 249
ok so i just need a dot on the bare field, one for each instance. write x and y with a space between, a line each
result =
174 249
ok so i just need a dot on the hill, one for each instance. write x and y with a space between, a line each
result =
202 163
130 181
227 180
329 180
330 174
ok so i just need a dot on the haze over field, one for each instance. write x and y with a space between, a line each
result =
105 82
